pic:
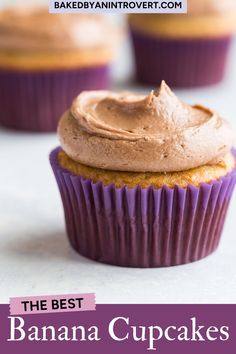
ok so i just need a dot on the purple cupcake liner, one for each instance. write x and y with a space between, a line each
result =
181 63
34 101
143 227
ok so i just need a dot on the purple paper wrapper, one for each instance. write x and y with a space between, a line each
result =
181 63
143 227
34 101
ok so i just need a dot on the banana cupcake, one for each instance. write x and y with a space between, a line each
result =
45 60
145 180
186 50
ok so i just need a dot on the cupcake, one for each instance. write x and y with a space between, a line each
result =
186 50
45 60
145 180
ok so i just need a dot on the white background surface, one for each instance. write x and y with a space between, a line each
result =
35 257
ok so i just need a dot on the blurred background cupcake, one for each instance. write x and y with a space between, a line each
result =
45 60
186 50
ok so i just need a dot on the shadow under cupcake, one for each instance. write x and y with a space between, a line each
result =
145 181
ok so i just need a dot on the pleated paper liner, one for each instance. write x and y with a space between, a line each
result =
34 101
143 227
180 62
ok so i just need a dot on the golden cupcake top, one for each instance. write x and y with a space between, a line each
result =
195 176
205 18
138 133
34 29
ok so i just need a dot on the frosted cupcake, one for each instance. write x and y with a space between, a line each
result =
185 50
45 60
145 180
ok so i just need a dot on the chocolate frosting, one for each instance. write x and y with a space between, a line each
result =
34 29
133 132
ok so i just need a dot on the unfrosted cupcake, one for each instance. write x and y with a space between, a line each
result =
145 180
45 60
184 49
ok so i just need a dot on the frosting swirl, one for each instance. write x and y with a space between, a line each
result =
34 29
133 132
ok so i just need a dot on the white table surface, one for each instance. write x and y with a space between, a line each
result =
35 256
